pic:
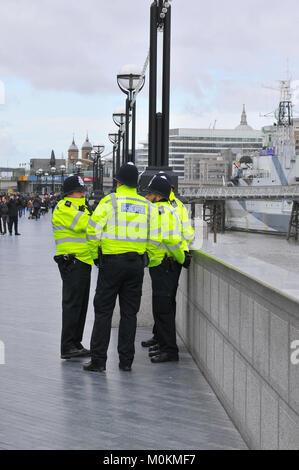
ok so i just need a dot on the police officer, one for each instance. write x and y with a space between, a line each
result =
70 219
187 236
165 267
125 226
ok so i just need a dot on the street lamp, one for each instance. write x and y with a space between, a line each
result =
129 78
53 172
119 118
46 176
39 173
62 169
98 168
78 167
113 137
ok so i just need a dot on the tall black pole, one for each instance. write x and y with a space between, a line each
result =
133 131
152 136
113 163
166 88
124 148
127 139
118 151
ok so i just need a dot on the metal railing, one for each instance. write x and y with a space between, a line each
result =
241 192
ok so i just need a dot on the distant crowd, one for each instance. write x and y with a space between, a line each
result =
17 205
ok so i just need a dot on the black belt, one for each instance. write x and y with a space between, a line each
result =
130 255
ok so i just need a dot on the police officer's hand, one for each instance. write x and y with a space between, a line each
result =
187 261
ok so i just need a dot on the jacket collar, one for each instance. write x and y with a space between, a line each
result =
123 189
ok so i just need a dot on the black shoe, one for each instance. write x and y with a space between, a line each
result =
75 353
156 347
17 234
84 351
164 357
125 367
93 366
149 342
157 352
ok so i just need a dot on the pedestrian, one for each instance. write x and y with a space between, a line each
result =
74 260
120 235
36 207
165 268
187 234
13 215
4 214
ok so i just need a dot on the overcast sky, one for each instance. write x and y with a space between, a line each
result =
59 60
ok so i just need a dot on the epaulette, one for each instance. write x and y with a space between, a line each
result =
68 203
174 203
81 208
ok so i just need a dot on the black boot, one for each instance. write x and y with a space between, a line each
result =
164 357
149 342
94 366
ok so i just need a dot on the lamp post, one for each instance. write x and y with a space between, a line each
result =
98 169
113 137
46 176
128 79
39 173
158 133
53 172
78 167
119 118
62 169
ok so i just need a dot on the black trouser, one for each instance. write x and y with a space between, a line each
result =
13 220
118 276
75 295
1 224
4 222
164 287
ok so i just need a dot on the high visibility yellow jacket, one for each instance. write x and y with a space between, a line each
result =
123 222
69 221
186 227
171 237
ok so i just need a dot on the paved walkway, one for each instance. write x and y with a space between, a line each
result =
47 403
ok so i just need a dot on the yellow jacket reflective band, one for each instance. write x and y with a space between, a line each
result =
171 237
186 227
123 222
69 228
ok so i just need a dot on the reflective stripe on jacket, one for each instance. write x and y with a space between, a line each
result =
69 222
186 227
123 222
171 243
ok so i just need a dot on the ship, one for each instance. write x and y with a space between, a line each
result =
275 164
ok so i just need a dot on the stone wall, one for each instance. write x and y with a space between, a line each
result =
239 332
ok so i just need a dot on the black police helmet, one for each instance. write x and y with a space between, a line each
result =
128 175
167 176
160 185
73 183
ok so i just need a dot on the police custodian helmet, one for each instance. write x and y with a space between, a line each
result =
159 185
128 175
73 183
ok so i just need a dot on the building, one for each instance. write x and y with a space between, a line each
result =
73 154
192 142
44 164
204 168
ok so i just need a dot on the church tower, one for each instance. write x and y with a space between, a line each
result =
73 153
86 149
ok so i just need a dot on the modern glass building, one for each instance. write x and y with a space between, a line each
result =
241 140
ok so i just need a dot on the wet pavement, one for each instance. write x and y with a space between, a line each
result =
48 403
